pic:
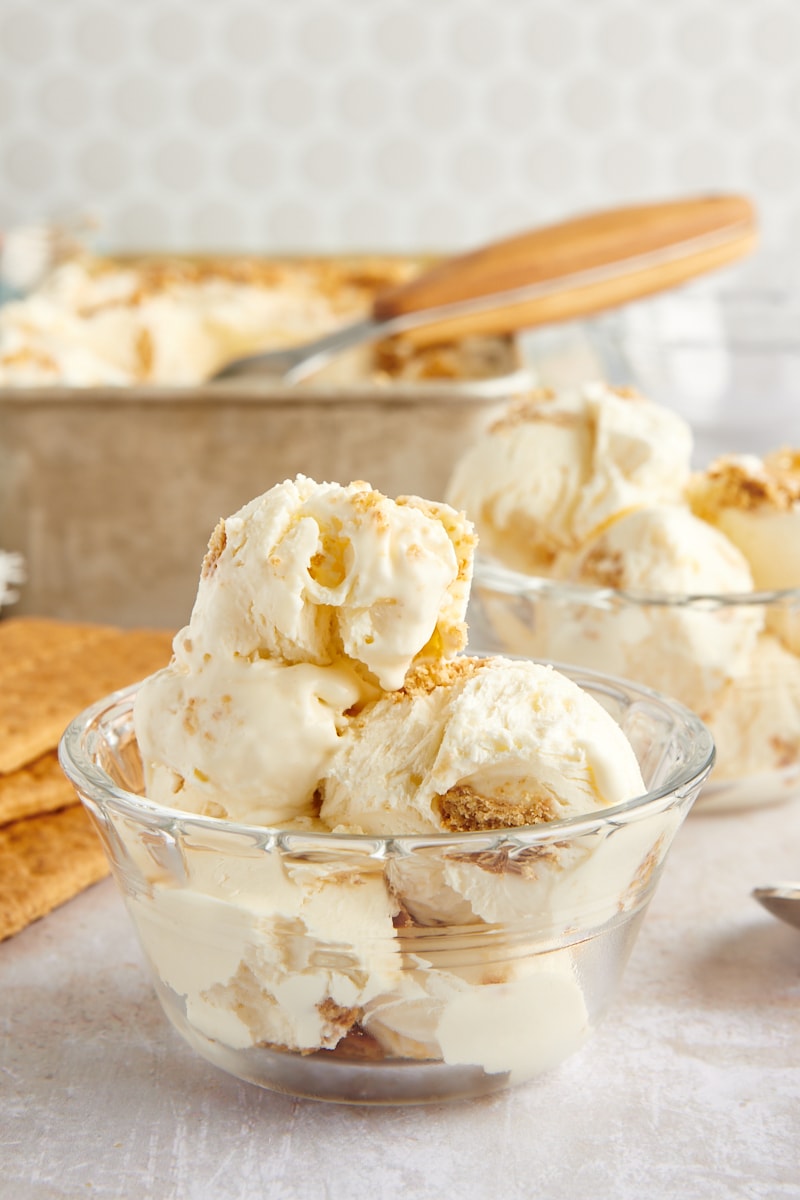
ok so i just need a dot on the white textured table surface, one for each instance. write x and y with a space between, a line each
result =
690 1089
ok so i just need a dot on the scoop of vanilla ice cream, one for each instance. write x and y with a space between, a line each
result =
557 467
661 553
477 744
246 740
311 599
756 503
327 574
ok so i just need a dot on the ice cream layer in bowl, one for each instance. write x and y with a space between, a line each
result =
364 864
600 546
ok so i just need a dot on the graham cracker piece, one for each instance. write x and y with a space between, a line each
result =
38 787
50 670
45 861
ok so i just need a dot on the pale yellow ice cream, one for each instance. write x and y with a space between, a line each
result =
327 574
308 954
637 567
687 650
242 738
755 503
756 722
289 957
311 598
318 686
477 744
558 467
476 1014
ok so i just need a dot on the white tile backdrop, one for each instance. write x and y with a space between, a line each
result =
325 124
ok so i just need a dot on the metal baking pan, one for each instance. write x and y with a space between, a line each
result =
111 494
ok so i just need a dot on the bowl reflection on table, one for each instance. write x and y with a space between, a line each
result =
356 968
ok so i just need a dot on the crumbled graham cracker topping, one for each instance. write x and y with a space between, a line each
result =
463 810
216 545
537 406
627 393
337 1016
503 862
425 677
603 567
27 355
731 482
357 1044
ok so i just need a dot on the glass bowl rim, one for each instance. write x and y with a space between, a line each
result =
489 572
92 781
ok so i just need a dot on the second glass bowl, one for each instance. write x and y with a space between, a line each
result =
734 659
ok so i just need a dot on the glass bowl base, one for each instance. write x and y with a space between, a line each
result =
324 1076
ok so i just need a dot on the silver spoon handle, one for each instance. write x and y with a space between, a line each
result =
283 362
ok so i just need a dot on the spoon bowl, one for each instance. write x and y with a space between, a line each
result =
782 900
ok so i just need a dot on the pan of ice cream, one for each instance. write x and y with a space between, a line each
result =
601 547
117 455
364 865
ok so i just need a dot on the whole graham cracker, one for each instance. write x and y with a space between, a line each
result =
50 670
44 861
38 787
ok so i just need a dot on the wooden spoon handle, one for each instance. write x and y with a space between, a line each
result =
574 268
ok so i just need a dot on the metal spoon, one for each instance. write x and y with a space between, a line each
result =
555 273
782 900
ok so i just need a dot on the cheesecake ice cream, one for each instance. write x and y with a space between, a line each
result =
686 650
755 503
629 563
560 466
375 907
311 599
477 744
756 721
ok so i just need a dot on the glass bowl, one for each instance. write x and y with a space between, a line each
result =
389 970
733 659
723 352
726 356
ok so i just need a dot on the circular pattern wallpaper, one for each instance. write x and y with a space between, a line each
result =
344 124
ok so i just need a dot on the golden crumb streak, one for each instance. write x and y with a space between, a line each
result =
338 1017
604 568
731 483
216 545
463 810
426 677
538 406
